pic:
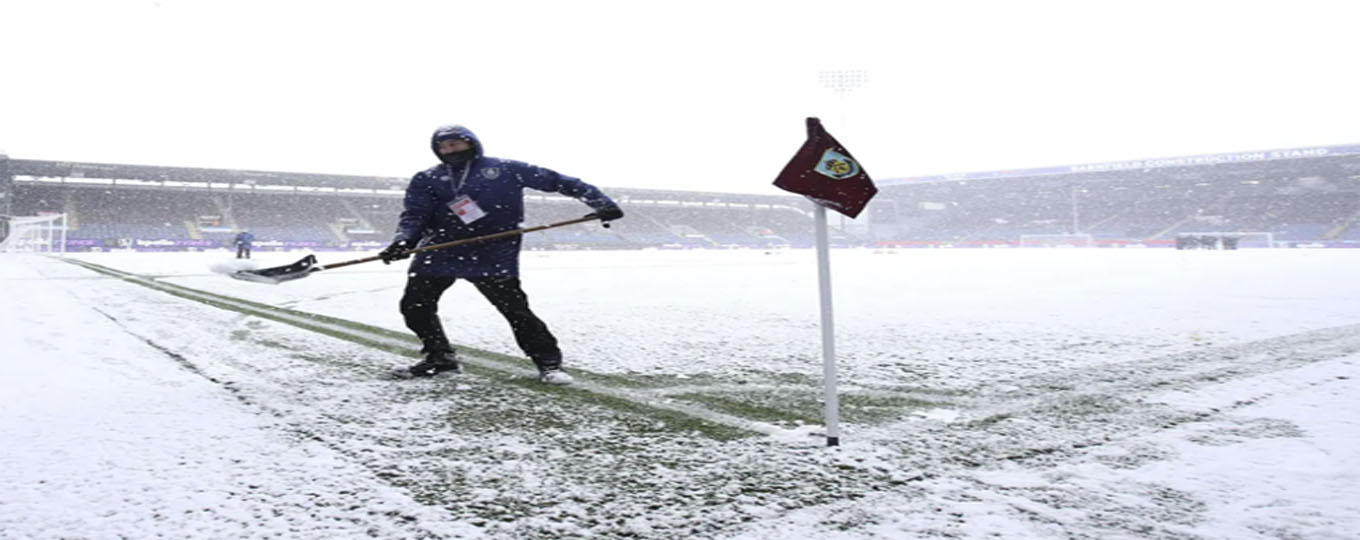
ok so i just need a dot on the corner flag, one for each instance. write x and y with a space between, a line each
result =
825 172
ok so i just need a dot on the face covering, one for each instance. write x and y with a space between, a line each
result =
455 158
458 157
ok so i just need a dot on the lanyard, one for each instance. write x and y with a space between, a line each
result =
462 179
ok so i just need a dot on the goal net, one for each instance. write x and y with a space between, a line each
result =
40 234
1224 240
1056 240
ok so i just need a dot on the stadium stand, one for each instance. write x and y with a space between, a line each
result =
165 208
1298 197
6 189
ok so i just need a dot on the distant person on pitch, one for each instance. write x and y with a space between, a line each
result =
242 241
466 195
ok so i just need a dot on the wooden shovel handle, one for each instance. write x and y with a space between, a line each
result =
483 238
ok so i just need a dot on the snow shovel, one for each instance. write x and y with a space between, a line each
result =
307 266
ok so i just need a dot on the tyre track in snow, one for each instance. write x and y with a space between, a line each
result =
1048 420
1046 415
1172 372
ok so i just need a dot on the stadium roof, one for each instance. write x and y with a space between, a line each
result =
153 173
1139 164
153 176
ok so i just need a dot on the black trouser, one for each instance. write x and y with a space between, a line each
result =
420 307
242 251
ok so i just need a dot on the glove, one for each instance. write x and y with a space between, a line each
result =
609 213
397 250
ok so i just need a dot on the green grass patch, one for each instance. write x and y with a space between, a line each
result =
879 408
742 405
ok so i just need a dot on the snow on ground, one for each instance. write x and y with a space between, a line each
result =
913 313
107 436
1069 393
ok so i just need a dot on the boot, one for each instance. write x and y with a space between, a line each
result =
433 364
554 376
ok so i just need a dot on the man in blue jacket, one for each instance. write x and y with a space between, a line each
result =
467 195
243 240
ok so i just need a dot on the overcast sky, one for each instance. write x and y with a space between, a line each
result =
692 95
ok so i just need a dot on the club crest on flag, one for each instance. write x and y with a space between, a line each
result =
837 166
824 171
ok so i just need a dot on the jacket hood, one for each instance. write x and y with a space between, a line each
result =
455 132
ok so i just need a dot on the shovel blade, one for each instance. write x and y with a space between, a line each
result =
279 274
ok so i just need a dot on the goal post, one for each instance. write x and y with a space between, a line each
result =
1057 240
33 234
1224 239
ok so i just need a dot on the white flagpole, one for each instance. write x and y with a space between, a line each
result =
840 81
833 406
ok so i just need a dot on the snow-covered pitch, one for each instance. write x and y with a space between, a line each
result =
1087 393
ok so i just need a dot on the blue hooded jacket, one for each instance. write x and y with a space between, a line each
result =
496 186
244 238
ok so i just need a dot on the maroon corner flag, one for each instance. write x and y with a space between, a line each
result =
825 172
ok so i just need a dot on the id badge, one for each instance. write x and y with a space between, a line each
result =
466 209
